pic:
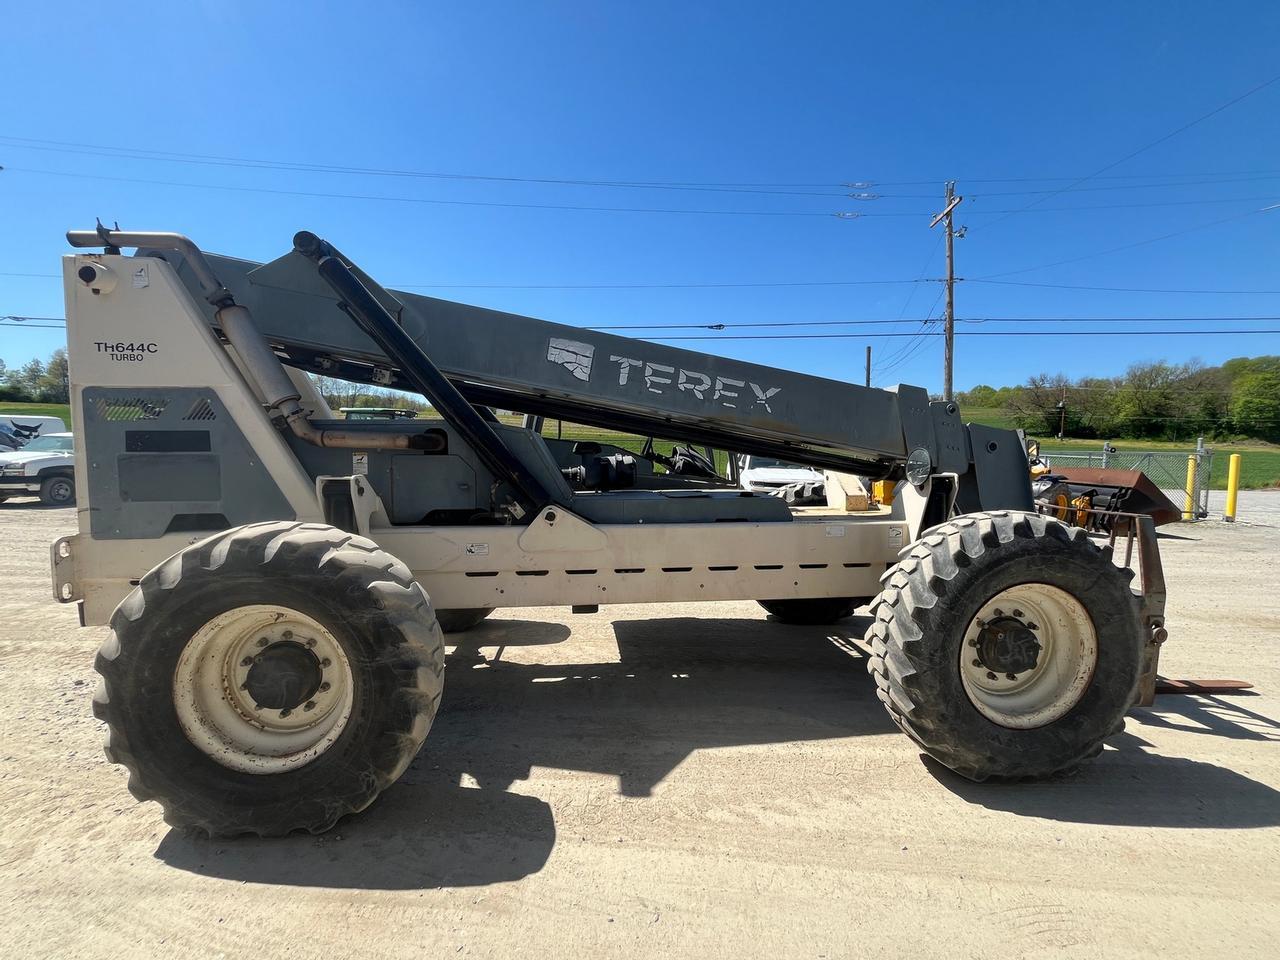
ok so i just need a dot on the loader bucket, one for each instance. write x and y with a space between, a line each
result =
1128 491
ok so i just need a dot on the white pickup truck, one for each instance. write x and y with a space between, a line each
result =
44 468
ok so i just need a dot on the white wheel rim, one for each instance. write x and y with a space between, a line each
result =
221 718
1064 663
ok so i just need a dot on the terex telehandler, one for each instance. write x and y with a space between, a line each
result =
276 579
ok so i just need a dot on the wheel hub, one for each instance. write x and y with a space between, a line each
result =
1007 645
284 676
1028 655
263 688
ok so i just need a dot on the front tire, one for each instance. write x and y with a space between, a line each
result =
272 678
1007 645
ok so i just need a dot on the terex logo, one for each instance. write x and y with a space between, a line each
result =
571 354
658 377
577 357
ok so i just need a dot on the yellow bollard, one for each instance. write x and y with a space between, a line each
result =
1189 508
1233 487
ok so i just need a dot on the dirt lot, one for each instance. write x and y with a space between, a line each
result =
641 783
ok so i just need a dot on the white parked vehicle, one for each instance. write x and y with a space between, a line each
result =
44 467
33 425
767 475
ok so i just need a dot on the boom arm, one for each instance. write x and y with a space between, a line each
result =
597 378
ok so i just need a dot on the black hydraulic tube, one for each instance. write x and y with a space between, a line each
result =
372 317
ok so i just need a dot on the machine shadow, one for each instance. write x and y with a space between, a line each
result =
1128 786
679 685
1211 715
422 835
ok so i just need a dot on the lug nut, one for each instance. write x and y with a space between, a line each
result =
977 663
310 705
990 675
284 713
311 642
326 662
998 612
324 686
288 634
247 662
1018 614
1011 676
1032 626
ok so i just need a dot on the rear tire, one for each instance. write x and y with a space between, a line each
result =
215 758
814 611
58 492
930 650
456 621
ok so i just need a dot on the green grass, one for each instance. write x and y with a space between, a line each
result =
60 410
989 416
1259 462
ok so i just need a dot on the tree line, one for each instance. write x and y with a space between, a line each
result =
36 381
1239 399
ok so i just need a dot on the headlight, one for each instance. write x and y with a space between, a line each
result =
13 469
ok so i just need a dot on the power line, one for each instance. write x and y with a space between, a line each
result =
15 320
839 215
782 283
1145 147
1130 246
843 323
129 153
582 208
643 286
1267 174
1070 286
1166 185
147 154
896 357
1126 206
976 333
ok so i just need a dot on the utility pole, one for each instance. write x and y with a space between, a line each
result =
949 326
868 364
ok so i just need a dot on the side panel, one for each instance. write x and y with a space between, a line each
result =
144 340
164 460
581 563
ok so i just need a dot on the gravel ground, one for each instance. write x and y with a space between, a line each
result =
1254 507
672 780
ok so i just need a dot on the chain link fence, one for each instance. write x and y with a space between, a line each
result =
1167 469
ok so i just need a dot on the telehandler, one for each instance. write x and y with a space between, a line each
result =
277 579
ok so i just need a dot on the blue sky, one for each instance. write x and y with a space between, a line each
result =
809 94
